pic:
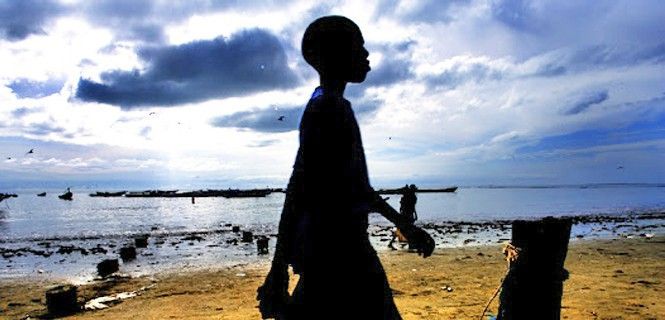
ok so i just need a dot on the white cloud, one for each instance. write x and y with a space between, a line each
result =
478 86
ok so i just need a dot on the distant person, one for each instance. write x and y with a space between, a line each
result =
407 204
323 226
407 208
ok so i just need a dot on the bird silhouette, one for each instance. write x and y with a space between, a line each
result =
620 168
9 158
152 113
281 118
31 151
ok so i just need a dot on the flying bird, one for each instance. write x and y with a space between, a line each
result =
31 151
281 118
620 168
152 113
9 158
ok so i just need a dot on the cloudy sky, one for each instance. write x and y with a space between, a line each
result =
461 92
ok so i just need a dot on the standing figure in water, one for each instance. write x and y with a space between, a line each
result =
323 226
407 208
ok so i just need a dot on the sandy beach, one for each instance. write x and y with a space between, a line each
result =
609 279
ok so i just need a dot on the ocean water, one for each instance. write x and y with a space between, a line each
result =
48 223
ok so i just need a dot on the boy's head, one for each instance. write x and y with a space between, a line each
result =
333 45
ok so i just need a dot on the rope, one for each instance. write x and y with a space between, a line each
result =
512 253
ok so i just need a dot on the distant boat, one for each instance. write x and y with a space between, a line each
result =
108 194
254 193
151 194
401 190
4 196
67 195
43 194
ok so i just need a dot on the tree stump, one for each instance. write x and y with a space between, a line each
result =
107 267
247 236
262 245
141 241
61 300
127 253
534 284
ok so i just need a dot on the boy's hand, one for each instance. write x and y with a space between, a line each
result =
418 239
273 295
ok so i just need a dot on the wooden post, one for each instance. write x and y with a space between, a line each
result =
107 267
247 236
61 300
534 285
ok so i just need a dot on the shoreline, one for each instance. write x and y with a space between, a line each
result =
75 258
608 279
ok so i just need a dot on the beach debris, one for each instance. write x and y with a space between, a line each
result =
128 253
106 301
98 249
193 237
141 241
107 267
262 244
247 236
103 302
644 282
61 300
447 288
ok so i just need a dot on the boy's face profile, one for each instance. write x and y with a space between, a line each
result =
359 65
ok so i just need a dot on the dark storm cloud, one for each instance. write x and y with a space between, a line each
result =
247 62
588 101
24 88
22 18
264 120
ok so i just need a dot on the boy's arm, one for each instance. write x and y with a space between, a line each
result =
273 295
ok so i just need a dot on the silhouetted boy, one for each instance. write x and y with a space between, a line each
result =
323 227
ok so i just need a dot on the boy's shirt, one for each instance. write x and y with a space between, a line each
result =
329 185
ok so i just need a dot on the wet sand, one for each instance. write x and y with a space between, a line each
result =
609 279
